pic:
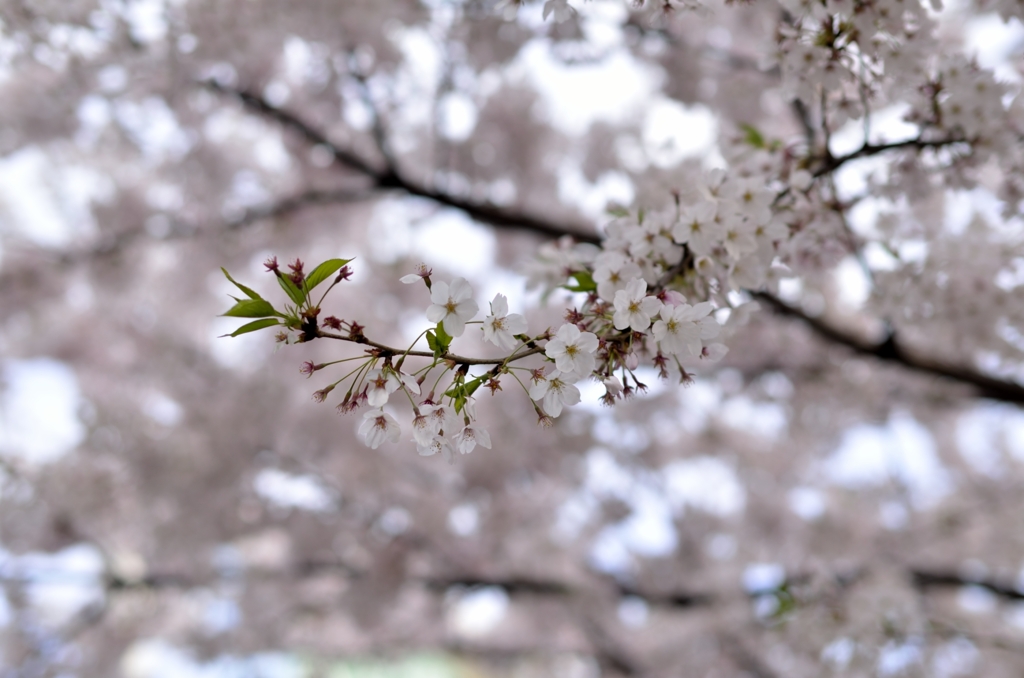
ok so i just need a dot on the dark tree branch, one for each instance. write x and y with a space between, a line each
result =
746 660
380 135
804 116
888 350
299 202
607 651
928 579
389 178
832 163
259 105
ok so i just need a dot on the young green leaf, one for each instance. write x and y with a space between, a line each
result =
322 273
472 386
248 292
293 292
251 308
253 326
584 282
753 136
444 340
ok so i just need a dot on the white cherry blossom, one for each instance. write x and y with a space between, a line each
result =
380 384
697 227
422 273
633 308
442 417
612 271
470 436
556 389
438 445
377 427
501 326
612 384
410 383
452 306
572 350
679 328
424 428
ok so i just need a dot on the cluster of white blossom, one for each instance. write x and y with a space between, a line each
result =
846 59
647 295
651 292
602 341
722 235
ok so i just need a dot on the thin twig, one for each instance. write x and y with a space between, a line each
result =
447 357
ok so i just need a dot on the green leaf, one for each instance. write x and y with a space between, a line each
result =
251 308
253 326
322 273
584 282
444 340
293 292
432 342
753 136
460 402
248 292
471 387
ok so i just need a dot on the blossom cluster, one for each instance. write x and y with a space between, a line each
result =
643 297
655 289
723 235
601 341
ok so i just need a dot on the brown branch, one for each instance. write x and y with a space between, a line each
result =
390 178
607 651
927 579
746 660
832 163
298 202
890 351
259 105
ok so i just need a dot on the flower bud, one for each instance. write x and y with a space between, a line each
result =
632 360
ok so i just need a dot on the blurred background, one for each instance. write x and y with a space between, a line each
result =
174 504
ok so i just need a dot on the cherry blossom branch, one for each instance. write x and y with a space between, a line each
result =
887 350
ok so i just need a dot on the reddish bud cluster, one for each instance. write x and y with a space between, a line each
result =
297 276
